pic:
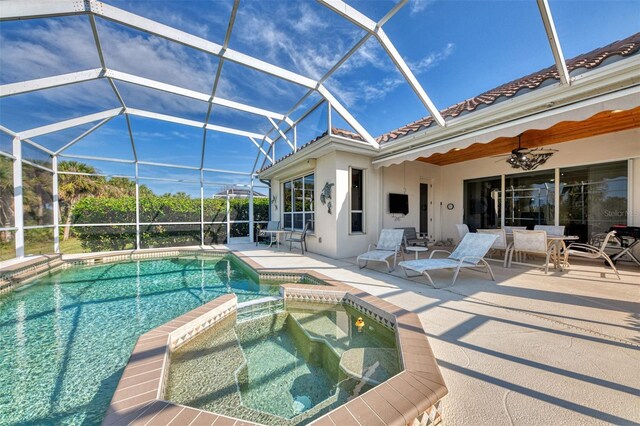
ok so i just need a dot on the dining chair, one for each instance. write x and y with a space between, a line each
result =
557 231
500 244
272 225
299 239
510 229
532 242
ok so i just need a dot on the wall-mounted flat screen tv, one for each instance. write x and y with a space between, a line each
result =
398 203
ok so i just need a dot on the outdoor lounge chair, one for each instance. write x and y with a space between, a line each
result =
592 252
388 245
468 254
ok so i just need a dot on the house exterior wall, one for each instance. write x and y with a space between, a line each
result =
406 179
332 235
352 244
599 149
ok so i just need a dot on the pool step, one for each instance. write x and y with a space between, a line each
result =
259 308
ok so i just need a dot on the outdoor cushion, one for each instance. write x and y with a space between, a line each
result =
377 255
468 254
422 265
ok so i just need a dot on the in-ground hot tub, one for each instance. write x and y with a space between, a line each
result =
290 367
283 368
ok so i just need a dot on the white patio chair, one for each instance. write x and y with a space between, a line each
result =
592 252
272 225
388 245
510 229
556 231
500 244
463 230
532 242
469 254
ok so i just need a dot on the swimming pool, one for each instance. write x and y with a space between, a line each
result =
65 339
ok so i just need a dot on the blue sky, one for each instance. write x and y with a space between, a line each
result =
457 49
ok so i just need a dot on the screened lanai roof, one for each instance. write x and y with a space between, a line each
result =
232 86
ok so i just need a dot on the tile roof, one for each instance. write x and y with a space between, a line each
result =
334 131
590 60
621 48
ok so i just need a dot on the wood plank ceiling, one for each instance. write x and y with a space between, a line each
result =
599 124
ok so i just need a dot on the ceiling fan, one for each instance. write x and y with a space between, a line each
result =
527 158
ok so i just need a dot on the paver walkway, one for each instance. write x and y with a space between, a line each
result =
528 349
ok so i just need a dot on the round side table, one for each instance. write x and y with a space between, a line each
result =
417 250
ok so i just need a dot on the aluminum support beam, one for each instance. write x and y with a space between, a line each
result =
362 21
39 131
135 21
137 207
176 90
554 42
18 208
87 133
251 239
18 9
49 82
348 117
192 123
259 146
216 80
282 135
37 145
201 208
56 207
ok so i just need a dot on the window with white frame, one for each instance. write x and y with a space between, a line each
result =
299 202
357 200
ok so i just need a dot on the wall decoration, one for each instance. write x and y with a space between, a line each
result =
325 196
274 202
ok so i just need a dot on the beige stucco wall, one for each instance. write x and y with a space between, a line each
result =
348 244
599 149
406 179
332 238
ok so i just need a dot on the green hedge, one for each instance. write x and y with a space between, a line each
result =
160 209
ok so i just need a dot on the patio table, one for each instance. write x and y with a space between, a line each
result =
417 250
277 234
559 245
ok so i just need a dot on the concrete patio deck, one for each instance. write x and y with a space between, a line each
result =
530 348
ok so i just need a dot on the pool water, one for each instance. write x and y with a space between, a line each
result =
65 339
283 369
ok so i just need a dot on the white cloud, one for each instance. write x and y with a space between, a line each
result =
354 92
417 6
431 60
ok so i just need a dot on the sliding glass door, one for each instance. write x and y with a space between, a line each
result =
530 199
590 199
593 198
482 203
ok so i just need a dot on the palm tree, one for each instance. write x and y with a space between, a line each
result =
72 188
6 197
